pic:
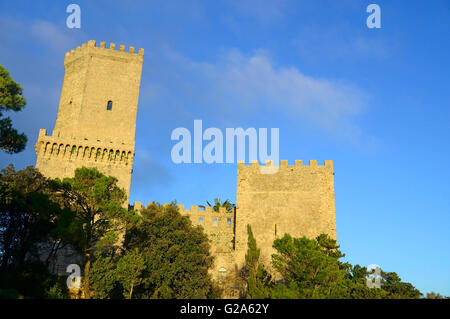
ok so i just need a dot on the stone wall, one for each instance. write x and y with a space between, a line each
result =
295 199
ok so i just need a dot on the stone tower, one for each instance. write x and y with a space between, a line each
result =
96 120
294 199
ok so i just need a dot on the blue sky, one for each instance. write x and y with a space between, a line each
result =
375 101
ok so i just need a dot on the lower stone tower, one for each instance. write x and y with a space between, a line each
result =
274 200
96 120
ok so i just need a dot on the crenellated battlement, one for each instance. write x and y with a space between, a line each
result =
58 136
92 48
209 218
298 164
206 217
48 147
195 210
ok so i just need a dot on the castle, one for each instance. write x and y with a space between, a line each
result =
95 127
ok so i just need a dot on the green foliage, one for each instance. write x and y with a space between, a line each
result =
28 216
57 291
29 280
286 291
10 293
311 269
116 276
356 281
163 256
396 289
312 264
176 254
217 203
129 271
11 99
96 201
434 295
103 276
26 213
259 281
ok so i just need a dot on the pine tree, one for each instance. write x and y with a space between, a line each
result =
11 99
259 281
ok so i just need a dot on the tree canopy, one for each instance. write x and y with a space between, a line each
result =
177 255
99 215
28 217
311 268
163 256
11 99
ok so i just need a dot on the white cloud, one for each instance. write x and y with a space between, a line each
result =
57 37
244 85
341 42
287 88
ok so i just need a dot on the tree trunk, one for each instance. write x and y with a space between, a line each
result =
131 290
87 267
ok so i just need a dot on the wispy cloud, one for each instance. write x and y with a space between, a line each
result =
341 42
54 36
246 84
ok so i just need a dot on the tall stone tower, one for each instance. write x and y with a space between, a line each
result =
96 120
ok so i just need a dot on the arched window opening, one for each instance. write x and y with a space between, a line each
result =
109 106
222 275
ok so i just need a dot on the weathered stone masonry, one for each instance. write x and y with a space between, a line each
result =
295 199
96 120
